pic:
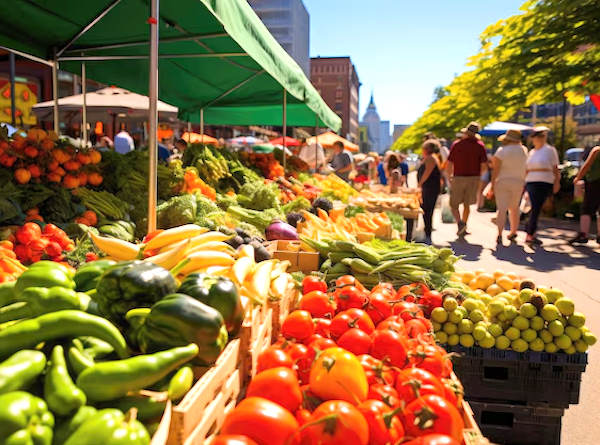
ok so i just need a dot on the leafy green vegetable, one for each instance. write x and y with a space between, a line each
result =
351 211
300 203
177 211
259 219
257 195
61 207
224 201
396 220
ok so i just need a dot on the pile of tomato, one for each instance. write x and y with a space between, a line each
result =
353 367
31 243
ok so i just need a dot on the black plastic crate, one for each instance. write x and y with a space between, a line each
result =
509 376
518 424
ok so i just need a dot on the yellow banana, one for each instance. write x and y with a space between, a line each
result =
116 248
203 259
175 234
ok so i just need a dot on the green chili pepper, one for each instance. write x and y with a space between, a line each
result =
24 420
7 293
44 274
41 300
181 383
20 370
61 394
78 360
110 427
69 323
95 348
148 408
114 379
87 276
65 429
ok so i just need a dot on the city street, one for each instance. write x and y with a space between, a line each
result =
576 271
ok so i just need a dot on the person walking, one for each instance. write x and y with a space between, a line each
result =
508 180
429 180
466 162
341 162
590 173
542 180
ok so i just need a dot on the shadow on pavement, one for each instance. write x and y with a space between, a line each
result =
469 251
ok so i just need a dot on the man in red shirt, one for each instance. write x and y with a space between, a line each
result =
466 162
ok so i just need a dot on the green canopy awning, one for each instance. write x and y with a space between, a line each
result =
298 115
212 52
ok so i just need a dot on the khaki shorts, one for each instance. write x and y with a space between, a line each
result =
463 190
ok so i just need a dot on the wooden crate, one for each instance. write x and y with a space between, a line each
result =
300 260
161 435
201 413
259 344
282 307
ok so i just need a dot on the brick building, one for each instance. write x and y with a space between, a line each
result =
337 81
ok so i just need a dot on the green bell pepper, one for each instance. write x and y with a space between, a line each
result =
61 324
177 320
20 370
113 379
87 276
110 427
217 292
44 274
61 394
35 301
130 285
7 293
66 428
24 420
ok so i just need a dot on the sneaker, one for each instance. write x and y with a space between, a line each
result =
533 241
579 239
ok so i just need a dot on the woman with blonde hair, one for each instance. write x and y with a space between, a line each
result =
509 168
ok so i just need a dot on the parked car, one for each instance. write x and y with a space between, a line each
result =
574 156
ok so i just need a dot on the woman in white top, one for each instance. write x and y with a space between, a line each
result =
508 180
543 178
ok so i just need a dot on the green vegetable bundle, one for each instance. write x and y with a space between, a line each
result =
397 262
257 195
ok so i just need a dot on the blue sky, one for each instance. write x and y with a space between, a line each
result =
402 49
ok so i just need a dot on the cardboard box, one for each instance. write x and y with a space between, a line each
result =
300 260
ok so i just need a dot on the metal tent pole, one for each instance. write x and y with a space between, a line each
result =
55 95
202 125
153 116
13 97
189 127
284 127
84 132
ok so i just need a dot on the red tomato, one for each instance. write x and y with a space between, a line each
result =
321 344
356 341
430 358
302 356
385 288
336 422
319 304
29 232
51 229
453 391
378 307
303 416
390 347
412 383
298 325
384 393
394 323
407 310
263 421
433 414
348 280
351 318
273 357
348 297
279 385
309 399
311 283
233 439
322 327
376 371
415 329
433 439
384 426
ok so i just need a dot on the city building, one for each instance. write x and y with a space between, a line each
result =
337 82
288 21
363 139
398 130
378 130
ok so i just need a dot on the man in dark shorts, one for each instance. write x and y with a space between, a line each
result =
341 162
466 162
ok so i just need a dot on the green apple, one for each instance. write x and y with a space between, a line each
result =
550 312
510 312
519 345
479 332
577 319
488 341
476 316
589 338
553 294
449 328
512 333
502 342
528 335
546 336
439 315
528 310
565 305
525 295
455 316
536 345
450 304
581 346
453 339
573 332
495 307
470 304
521 323
551 348
556 328
436 326
570 350
467 340
537 323
441 337
563 341
495 329
465 326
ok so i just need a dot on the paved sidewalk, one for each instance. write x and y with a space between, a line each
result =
575 270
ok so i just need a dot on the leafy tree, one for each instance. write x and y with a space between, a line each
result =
549 51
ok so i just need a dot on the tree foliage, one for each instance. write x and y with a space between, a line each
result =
550 50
